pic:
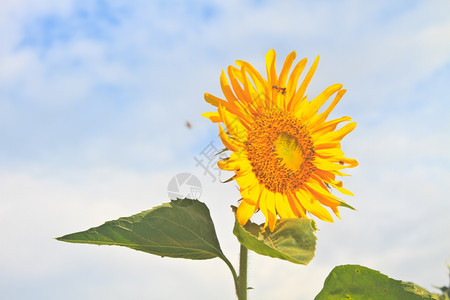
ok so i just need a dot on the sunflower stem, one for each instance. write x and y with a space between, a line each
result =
242 279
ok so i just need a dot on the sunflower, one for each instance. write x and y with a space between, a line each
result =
284 153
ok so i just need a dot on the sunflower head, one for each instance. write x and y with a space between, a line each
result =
284 153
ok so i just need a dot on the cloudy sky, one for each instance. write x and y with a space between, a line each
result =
94 100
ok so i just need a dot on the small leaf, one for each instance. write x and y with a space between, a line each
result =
182 228
343 204
292 239
358 282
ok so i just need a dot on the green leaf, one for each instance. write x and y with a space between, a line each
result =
358 282
292 239
182 228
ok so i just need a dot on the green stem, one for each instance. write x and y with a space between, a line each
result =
233 271
242 284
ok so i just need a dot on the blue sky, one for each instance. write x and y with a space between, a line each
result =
94 98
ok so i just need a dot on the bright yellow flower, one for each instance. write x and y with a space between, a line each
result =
285 154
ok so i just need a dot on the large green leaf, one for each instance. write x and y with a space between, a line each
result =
292 239
358 282
182 228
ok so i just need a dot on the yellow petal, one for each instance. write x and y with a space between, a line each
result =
251 94
329 152
213 100
324 196
267 207
318 129
325 145
260 84
263 205
336 100
213 116
326 164
296 206
301 90
298 104
226 89
270 67
282 205
329 179
235 127
252 193
233 105
351 163
272 76
282 79
293 81
244 212
271 210
246 179
285 70
229 143
317 102
313 206
243 99
339 134
325 201
324 175
338 186
235 162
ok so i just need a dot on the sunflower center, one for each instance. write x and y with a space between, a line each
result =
280 151
289 150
